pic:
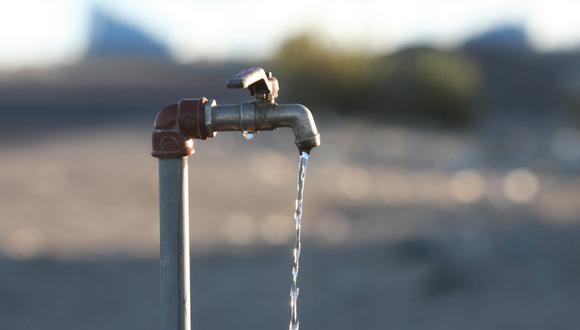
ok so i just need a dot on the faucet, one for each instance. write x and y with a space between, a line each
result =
175 128
178 123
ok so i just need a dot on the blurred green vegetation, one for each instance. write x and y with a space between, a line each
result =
415 84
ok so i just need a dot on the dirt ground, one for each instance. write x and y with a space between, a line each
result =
404 229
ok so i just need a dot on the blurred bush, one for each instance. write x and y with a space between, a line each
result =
415 84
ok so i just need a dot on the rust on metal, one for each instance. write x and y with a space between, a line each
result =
168 141
166 117
171 144
191 118
176 125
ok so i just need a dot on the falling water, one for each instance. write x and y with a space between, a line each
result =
294 290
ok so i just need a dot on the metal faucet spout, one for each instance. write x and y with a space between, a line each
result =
251 117
300 119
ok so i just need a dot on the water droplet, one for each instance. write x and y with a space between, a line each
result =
248 135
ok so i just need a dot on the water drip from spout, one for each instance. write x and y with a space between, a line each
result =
248 135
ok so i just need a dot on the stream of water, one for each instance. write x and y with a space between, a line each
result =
294 290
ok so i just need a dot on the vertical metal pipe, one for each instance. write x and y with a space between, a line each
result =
174 232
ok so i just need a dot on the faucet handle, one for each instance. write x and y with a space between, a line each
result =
262 85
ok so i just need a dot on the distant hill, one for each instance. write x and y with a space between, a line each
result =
111 37
517 80
511 38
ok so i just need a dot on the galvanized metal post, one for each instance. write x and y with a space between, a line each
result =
174 235
173 148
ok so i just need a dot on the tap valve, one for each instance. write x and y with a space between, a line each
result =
263 85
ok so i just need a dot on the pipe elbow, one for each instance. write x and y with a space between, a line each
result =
300 119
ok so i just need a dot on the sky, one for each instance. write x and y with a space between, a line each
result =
38 33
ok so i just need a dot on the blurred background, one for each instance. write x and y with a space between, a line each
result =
445 194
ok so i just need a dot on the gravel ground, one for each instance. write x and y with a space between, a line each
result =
404 229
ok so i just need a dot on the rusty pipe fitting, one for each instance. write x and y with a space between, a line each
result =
175 127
